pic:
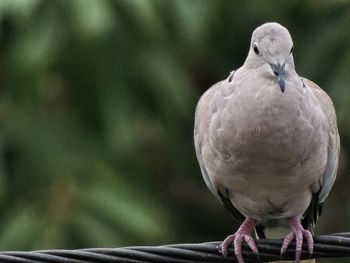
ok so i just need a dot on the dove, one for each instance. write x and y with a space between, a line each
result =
267 144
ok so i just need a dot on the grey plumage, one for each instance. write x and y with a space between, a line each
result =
267 142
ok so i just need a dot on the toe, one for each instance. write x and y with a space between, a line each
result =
250 241
310 241
286 242
223 248
238 248
298 245
238 244
239 258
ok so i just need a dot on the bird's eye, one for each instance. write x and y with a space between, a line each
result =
256 50
291 50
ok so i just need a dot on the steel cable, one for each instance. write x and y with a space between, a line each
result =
328 246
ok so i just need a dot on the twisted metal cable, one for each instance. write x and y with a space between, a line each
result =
328 246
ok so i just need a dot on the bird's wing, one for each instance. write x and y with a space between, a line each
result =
329 175
201 125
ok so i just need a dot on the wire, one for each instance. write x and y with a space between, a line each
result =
328 246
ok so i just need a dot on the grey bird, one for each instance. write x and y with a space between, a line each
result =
267 143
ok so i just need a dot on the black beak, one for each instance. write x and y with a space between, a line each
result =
279 71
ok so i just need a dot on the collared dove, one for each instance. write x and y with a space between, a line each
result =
267 143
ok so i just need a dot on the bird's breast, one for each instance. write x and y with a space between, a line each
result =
265 132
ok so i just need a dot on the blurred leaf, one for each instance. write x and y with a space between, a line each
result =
21 229
96 233
94 18
124 211
21 9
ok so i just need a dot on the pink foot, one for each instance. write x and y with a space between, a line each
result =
243 233
297 233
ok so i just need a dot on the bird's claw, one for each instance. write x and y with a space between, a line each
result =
223 247
237 240
298 233
243 234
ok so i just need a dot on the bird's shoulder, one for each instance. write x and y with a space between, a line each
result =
211 100
323 100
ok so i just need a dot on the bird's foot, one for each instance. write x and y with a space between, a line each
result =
242 234
298 233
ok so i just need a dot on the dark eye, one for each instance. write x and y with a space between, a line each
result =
256 50
291 50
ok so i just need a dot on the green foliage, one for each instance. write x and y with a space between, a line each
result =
97 101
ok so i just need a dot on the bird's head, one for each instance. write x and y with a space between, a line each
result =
271 48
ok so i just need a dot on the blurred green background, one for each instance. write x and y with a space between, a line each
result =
97 104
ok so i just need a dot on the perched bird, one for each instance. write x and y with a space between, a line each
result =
267 143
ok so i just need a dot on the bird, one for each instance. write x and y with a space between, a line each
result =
267 144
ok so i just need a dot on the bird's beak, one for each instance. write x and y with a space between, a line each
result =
279 71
